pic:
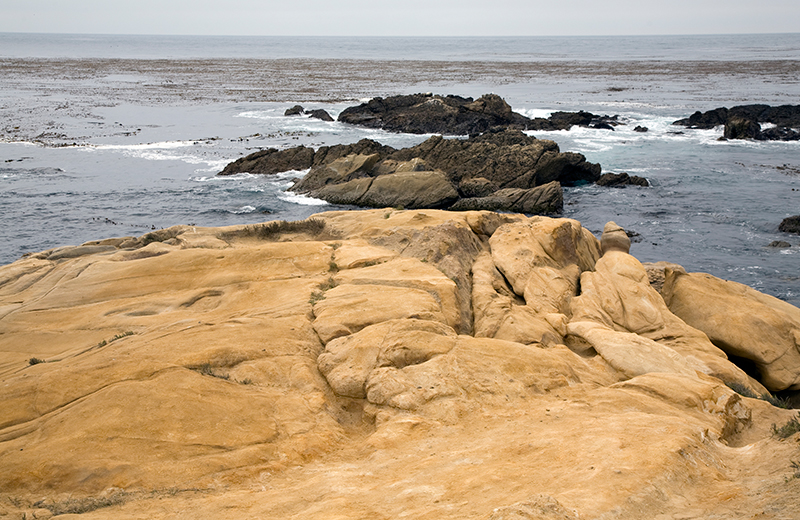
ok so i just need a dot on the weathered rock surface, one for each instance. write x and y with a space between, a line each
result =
621 179
317 113
455 115
742 122
496 171
790 225
742 322
378 364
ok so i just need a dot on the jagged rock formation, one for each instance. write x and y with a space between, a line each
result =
455 115
317 113
384 363
790 225
743 122
503 170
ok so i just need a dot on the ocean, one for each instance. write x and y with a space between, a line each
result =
105 136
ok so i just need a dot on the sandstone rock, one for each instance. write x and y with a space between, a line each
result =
741 321
542 200
614 238
413 190
647 317
213 382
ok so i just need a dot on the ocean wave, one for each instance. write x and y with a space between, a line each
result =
298 198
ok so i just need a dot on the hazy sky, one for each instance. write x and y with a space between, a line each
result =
401 17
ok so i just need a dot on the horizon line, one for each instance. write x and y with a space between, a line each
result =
400 35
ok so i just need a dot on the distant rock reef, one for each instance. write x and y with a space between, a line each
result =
455 115
744 122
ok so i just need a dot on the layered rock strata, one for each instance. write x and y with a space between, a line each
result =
387 363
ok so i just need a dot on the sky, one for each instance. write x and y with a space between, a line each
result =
401 17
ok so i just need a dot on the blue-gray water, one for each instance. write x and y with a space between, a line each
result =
113 135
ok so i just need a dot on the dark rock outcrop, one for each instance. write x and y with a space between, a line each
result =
498 170
296 110
318 113
621 179
790 225
740 128
742 122
542 200
455 115
271 161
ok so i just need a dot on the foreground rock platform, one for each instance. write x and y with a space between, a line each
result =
386 363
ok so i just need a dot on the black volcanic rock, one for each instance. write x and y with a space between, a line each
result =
455 115
743 120
790 225
615 180
429 114
740 128
320 114
296 110
499 169
271 161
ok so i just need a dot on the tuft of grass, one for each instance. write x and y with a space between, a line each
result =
246 381
35 361
771 399
207 370
316 296
271 230
78 506
795 469
788 429
115 338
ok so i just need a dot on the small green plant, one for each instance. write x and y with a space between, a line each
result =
788 429
246 381
35 361
333 267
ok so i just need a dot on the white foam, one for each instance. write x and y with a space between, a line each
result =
297 198
243 210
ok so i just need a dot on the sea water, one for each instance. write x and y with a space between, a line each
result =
116 135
